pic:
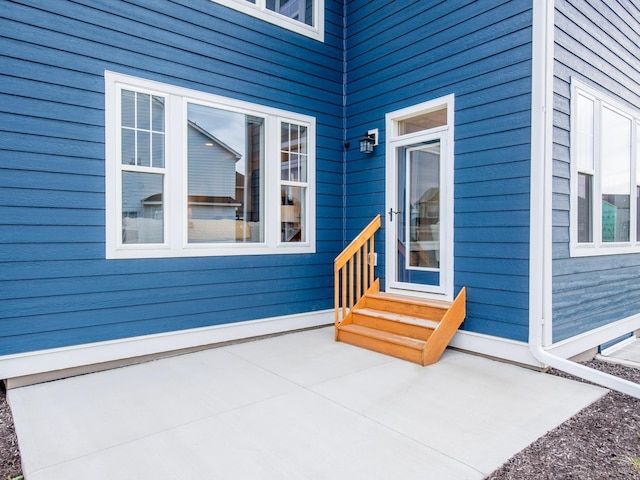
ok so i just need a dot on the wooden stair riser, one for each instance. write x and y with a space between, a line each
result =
448 328
406 307
380 346
393 326
416 330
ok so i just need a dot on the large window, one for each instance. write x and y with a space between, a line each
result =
605 175
195 174
302 16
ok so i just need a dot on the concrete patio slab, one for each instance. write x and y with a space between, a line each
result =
297 406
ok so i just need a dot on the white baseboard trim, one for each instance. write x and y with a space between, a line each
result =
518 352
43 361
594 338
85 355
496 347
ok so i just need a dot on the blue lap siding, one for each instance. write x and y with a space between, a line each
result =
597 43
399 55
57 287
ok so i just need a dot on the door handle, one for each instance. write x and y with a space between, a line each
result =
391 213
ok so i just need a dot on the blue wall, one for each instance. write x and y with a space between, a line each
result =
402 54
57 288
596 42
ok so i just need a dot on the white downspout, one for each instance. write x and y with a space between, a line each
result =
540 264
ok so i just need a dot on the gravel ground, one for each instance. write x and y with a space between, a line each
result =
595 444
10 466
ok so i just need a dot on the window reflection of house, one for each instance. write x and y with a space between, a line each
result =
215 192
425 229
425 213
615 218
212 176
300 10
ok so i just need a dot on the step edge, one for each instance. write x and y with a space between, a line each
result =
398 317
396 339
394 297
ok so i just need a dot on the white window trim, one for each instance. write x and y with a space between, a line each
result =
598 247
175 220
259 10
446 135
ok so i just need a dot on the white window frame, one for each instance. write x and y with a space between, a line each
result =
260 10
597 246
175 180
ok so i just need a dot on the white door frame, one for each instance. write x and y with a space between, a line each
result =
445 134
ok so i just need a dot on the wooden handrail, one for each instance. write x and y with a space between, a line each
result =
353 270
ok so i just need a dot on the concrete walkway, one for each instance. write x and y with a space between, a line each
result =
297 406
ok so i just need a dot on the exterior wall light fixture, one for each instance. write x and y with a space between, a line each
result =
369 141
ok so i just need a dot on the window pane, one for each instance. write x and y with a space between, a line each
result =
615 218
301 10
616 176
157 114
224 163
638 154
584 135
638 214
293 153
158 150
128 108
292 213
585 208
139 145
303 139
638 183
425 121
143 111
284 166
128 146
144 148
142 208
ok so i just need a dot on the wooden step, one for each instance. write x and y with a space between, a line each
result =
388 343
412 306
397 323
410 328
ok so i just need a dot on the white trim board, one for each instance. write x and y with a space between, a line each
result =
43 361
519 352
126 351
495 347
593 338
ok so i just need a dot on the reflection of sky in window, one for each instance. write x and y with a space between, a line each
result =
228 127
616 152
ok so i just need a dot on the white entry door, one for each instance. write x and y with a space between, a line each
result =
419 220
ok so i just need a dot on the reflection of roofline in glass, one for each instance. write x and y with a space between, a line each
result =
213 138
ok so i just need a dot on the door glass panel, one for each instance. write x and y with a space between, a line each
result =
418 221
